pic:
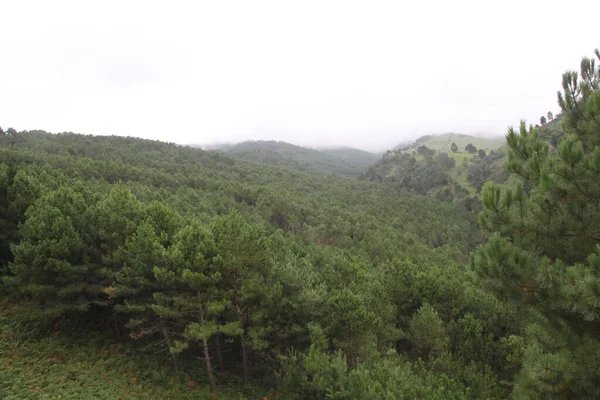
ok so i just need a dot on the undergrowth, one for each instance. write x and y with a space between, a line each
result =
38 362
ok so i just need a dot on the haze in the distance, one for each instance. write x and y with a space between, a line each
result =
319 73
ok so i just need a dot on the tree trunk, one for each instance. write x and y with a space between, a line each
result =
63 323
219 356
244 359
165 333
116 325
211 376
243 343
209 369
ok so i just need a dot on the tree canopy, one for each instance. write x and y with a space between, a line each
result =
470 148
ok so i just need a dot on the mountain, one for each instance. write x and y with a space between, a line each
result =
339 161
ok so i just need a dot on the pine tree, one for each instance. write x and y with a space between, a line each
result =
241 259
427 332
8 220
470 148
49 266
135 281
545 251
192 299
143 251
118 214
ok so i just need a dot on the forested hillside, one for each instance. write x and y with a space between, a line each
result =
358 157
140 269
437 166
340 161
187 252
551 131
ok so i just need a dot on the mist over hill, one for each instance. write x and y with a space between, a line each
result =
344 161
340 160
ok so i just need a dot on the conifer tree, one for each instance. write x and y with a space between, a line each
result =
48 265
427 332
192 297
118 215
241 259
545 252
135 281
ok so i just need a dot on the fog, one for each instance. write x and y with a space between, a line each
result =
319 73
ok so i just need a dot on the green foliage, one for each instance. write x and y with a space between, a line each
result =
49 262
318 375
427 332
469 148
489 168
425 151
445 161
193 262
544 253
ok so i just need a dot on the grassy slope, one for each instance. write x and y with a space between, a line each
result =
442 143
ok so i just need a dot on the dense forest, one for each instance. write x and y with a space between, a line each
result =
137 269
344 161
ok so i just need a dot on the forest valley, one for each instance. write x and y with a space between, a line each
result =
137 269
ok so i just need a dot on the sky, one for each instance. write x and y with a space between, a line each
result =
366 74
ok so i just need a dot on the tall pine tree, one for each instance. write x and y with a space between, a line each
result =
544 253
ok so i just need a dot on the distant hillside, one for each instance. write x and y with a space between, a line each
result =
339 161
552 131
442 143
355 156
428 166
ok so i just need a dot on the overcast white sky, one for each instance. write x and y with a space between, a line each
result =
365 74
